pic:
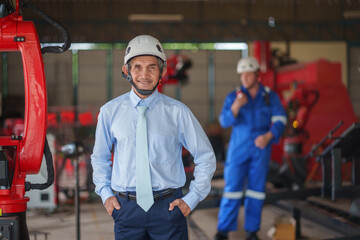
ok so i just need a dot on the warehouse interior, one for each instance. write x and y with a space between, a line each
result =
309 53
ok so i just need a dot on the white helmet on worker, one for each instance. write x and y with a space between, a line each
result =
248 64
144 45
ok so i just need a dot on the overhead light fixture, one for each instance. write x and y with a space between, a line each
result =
156 17
74 46
231 46
271 22
352 14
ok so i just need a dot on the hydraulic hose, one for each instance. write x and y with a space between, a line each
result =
55 24
50 171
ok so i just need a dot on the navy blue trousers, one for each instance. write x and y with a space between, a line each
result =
131 222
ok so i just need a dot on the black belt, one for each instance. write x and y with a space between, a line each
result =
157 196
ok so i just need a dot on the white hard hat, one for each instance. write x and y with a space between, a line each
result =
144 45
248 64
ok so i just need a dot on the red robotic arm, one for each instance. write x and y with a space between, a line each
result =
22 155
25 151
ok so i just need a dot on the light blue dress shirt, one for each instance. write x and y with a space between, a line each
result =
171 125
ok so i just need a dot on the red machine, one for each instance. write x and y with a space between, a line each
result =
176 70
315 99
22 155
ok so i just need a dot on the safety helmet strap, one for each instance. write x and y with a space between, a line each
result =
144 92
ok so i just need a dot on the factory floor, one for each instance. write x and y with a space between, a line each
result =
97 225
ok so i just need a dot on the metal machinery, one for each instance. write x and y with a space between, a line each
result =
320 141
315 99
177 65
22 154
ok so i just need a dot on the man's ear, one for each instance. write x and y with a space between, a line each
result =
258 75
164 71
258 78
125 70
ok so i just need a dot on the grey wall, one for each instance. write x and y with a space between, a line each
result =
93 80
58 73
92 87
93 73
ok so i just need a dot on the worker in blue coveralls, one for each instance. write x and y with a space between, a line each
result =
257 119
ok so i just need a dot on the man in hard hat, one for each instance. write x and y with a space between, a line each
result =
141 188
257 119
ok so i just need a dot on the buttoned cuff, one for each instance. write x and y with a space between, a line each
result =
191 200
106 193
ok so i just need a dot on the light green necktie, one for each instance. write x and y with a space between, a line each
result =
144 194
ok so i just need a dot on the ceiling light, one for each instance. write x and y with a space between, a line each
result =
156 17
352 14
231 46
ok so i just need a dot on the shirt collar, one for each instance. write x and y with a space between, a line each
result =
149 101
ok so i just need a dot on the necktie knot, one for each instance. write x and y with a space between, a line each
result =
142 109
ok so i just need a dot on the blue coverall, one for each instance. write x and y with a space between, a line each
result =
246 163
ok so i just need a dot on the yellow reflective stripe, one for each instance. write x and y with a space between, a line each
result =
233 195
0 212
254 194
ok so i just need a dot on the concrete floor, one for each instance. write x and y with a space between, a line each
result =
97 225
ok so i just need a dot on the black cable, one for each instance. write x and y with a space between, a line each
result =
50 171
6 8
55 24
